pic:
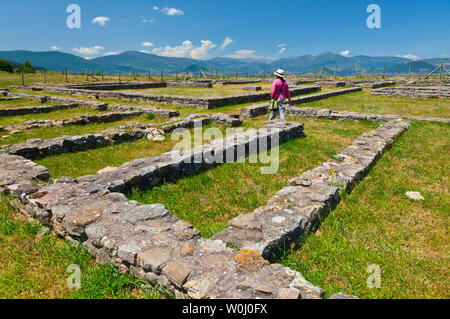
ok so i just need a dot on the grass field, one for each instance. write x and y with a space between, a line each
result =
91 161
217 90
364 102
72 130
35 266
374 224
21 103
55 115
377 224
209 199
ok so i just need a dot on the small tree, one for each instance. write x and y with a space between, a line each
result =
26 68
6 66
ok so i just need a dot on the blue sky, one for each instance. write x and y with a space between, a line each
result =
253 28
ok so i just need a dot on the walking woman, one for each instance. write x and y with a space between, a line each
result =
280 92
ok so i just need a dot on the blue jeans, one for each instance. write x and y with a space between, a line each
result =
280 111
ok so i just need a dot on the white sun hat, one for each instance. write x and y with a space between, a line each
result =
280 73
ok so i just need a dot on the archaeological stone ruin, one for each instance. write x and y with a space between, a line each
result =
149 240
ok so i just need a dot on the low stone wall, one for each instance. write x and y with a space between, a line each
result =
296 210
226 119
415 92
310 112
144 109
2 99
37 148
203 119
79 120
236 82
252 88
43 99
356 116
192 84
102 106
191 101
147 239
118 86
35 109
150 172
374 85
261 109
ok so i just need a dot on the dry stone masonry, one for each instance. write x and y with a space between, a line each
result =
148 239
261 109
36 109
99 105
152 171
37 148
190 120
79 120
296 210
43 99
252 88
414 91
191 101
311 112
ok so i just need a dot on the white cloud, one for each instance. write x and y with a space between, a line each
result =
155 8
345 53
147 44
243 54
226 43
144 51
112 53
55 48
172 11
408 56
186 50
201 53
181 51
101 21
95 50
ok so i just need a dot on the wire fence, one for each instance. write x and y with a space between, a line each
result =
151 75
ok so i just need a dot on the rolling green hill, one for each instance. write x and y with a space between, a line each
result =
141 62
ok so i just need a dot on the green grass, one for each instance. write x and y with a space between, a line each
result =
55 115
22 102
91 161
184 110
35 267
209 199
215 91
364 102
72 130
377 224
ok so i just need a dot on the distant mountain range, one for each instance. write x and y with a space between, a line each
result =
133 61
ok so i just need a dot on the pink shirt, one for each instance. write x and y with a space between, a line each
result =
276 86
